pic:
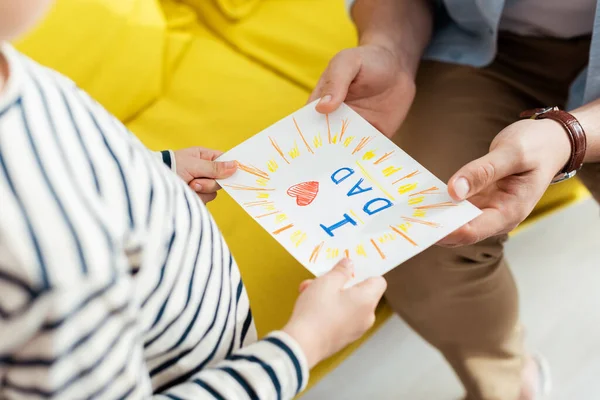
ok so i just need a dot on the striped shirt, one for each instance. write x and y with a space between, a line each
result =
114 280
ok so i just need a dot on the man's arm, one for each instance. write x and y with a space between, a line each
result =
589 118
402 26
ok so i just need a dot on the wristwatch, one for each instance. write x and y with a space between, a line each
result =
575 133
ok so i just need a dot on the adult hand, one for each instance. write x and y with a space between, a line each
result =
328 317
507 183
371 79
198 168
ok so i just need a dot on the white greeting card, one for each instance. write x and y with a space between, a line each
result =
329 186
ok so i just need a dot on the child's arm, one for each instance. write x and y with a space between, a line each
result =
82 341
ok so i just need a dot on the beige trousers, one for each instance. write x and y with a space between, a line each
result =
464 301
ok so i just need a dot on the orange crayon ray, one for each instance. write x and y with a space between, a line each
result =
258 203
244 187
437 205
345 123
384 157
315 252
420 221
302 136
404 235
347 253
378 249
253 170
278 231
363 142
406 177
431 190
267 214
274 143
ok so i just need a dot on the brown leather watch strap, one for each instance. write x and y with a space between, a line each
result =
574 131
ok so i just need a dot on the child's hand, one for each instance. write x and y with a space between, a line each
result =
328 317
196 166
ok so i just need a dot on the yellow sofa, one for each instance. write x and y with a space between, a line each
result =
212 73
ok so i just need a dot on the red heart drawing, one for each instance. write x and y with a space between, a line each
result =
304 192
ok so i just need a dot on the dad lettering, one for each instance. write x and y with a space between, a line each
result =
371 207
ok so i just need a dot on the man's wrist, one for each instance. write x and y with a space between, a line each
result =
404 28
558 141
407 61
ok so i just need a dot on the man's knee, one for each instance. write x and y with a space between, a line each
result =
449 294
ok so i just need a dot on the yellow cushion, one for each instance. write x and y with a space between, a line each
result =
209 73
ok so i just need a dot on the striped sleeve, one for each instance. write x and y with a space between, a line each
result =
74 341
82 342
167 157
273 368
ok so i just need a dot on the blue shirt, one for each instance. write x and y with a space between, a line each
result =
466 32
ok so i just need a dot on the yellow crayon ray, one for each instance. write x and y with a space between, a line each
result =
298 237
332 253
369 154
357 217
391 170
281 217
419 213
295 151
407 188
360 250
348 140
261 182
373 181
415 200
317 141
272 166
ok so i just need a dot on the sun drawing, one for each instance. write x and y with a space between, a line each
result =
360 182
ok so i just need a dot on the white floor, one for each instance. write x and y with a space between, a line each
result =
557 266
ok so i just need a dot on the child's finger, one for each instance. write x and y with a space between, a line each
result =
207 198
305 284
201 185
211 169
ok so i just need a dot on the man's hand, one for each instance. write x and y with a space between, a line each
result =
373 81
377 78
507 183
198 168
